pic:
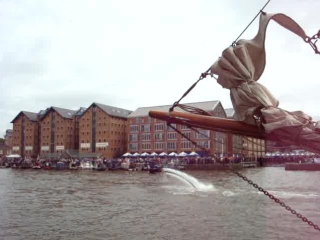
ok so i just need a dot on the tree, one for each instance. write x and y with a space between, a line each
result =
2 140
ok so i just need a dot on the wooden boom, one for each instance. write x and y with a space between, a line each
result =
210 123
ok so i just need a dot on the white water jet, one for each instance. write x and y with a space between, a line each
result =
188 179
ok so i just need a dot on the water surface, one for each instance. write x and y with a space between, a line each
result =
40 204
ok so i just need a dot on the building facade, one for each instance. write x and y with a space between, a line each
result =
103 129
153 135
57 130
4 150
8 137
25 134
245 146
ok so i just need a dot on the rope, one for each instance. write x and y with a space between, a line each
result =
202 76
261 11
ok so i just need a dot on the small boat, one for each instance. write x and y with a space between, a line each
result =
73 166
155 170
99 167
25 165
86 166
47 166
36 166
60 165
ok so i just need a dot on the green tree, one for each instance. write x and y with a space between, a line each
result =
1 140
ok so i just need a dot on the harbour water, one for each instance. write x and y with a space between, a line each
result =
40 204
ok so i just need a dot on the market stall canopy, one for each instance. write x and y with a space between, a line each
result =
163 154
13 156
182 154
173 154
193 154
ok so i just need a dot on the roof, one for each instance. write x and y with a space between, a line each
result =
30 115
63 112
144 111
110 110
230 113
80 111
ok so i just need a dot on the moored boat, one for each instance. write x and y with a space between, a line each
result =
47 166
36 166
86 165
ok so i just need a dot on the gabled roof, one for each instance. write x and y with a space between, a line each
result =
230 113
30 115
110 110
63 112
80 111
144 111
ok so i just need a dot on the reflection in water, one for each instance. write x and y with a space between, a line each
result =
138 205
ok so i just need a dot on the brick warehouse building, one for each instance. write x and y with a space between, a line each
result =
103 129
25 134
153 135
243 145
8 138
57 130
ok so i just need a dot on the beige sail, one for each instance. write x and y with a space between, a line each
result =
239 69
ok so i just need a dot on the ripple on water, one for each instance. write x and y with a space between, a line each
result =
137 205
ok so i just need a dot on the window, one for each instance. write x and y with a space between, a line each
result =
186 145
146 137
172 125
159 127
134 128
159 136
146 146
188 134
204 144
145 128
158 145
133 137
133 146
204 134
184 127
172 145
172 136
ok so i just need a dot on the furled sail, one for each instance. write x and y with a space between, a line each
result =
240 67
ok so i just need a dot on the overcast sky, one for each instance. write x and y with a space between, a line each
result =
141 53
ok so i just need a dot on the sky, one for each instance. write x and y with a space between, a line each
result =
143 53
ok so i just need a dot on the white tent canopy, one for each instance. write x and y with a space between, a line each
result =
182 154
13 156
154 154
136 154
193 154
173 154
127 155
163 154
144 154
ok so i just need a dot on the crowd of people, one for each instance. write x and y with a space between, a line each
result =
133 162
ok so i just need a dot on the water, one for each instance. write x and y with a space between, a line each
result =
188 179
39 204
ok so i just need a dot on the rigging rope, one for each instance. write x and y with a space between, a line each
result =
235 41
